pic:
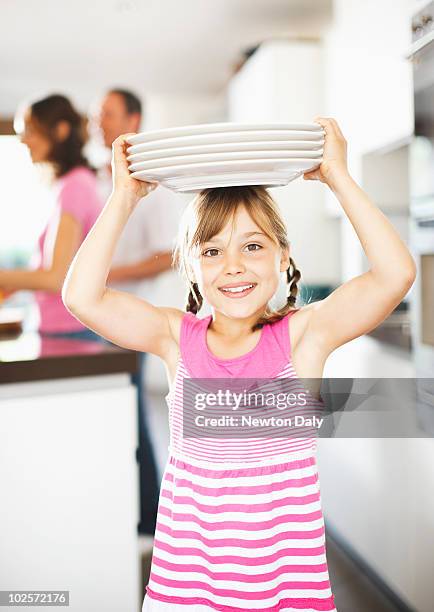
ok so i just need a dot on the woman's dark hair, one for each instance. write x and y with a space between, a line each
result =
66 154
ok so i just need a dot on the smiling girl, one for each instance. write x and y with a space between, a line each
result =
240 524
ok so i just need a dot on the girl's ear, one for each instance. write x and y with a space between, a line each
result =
284 260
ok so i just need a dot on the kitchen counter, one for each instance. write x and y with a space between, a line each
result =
68 469
32 357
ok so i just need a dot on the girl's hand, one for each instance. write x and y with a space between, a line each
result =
334 155
122 181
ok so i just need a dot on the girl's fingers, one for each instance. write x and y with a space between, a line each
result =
338 129
309 176
326 122
319 120
120 143
151 186
330 125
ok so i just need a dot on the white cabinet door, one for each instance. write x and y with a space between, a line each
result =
281 82
69 479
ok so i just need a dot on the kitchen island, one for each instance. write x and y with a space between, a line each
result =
68 471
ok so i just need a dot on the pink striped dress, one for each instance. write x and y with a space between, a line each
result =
240 525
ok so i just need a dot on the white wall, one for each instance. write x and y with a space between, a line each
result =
173 110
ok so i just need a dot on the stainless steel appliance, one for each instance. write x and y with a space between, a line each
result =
422 294
421 160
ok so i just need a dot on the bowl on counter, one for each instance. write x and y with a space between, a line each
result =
11 321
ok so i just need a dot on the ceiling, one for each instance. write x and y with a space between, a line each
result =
160 46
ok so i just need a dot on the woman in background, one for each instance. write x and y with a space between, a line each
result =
54 133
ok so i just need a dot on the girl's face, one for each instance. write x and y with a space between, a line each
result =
239 255
39 145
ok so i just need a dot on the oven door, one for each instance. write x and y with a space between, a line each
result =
422 319
422 294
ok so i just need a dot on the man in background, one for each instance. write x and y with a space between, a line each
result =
144 251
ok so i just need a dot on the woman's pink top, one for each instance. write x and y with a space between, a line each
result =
77 196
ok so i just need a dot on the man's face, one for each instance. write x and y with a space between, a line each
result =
114 120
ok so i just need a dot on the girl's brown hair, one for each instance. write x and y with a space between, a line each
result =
209 213
67 154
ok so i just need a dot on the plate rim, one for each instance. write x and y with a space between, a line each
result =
249 161
301 135
175 157
281 179
222 126
235 144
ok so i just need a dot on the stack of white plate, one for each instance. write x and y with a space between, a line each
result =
196 157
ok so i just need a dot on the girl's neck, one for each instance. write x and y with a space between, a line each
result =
233 328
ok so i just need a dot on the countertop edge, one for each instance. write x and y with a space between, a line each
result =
68 366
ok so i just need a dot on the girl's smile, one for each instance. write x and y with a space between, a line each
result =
237 290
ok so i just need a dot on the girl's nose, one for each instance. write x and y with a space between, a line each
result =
234 263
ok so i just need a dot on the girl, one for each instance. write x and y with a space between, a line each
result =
240 525
53 132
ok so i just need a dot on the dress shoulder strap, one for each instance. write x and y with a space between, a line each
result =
277 341
190 341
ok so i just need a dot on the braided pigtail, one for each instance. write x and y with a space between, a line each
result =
194 300
292 279
291 297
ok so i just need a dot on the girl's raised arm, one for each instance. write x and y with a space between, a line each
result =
120 317
363 302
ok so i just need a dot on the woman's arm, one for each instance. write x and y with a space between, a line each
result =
67 241
120 317
151 266
362 303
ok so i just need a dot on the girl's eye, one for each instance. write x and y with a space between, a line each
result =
249 245
254 244
207 251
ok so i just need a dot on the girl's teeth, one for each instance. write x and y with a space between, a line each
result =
238 289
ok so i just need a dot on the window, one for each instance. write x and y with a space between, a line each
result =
25 203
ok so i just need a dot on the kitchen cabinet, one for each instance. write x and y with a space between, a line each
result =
68 472
385 176
374 490
281 82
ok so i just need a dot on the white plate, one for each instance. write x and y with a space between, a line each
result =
208 128
227 167
221 138
198 183
270 145
222 157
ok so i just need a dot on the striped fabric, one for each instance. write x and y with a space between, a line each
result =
250 449
239 525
